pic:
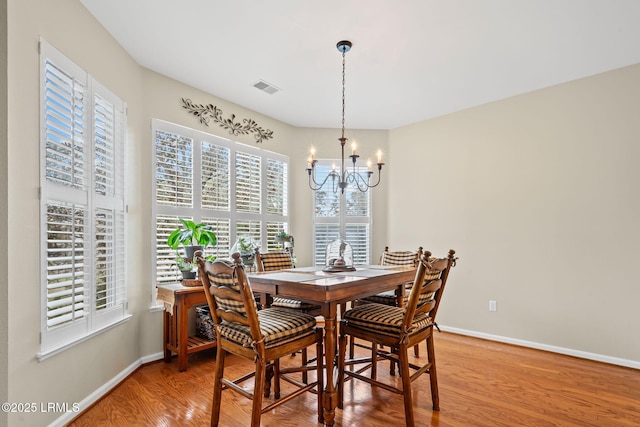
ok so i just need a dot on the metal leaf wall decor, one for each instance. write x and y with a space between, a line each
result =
205 113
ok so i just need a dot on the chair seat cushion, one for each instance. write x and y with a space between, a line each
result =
384 319
389 298
277 326
291 303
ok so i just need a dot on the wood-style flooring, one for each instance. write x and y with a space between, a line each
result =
482 383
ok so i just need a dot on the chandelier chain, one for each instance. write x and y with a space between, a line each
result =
343 83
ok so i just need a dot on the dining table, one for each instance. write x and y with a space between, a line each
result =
330 290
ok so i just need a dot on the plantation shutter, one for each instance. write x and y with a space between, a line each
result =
273 229
276 187
109 218
240 190
82 202
248 183
66 198
216 167
249 228
358 236
324 234
222 228
166 269
174 169
357 217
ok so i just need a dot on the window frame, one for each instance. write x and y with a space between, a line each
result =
196 211
348 221
102 137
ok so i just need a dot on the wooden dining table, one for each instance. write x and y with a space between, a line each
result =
330 290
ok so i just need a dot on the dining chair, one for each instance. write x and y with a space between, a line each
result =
261 336
398 328
392 258
280 260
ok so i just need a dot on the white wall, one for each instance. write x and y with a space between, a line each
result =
539 196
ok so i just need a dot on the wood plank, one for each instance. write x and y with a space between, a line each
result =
482 383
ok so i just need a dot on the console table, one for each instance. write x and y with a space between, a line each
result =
177 299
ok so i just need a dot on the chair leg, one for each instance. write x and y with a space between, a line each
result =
217 388
392 366
416 350
374 361
267 382
342 350
276 379
305 378
433 375
406 384
259 384
352 347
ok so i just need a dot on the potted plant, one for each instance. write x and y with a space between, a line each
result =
187 268
193 237
247 248
284 237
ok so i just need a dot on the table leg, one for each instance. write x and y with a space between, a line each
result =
166 332
183 333
330 394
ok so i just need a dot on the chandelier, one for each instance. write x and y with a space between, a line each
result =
342 178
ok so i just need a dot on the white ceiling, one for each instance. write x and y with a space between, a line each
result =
411 59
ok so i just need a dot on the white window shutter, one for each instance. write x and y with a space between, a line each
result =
174 170
248 183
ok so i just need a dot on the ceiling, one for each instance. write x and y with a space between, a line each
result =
411 59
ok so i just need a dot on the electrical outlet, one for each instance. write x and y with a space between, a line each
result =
493 306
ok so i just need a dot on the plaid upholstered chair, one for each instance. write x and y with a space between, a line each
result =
262 337
399 258
280 260
398 328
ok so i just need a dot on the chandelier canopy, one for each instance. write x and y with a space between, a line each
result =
344 177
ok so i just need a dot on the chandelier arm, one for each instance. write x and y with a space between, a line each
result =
361 182
318 186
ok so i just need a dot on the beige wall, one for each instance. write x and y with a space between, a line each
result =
77 372
4 226
539 196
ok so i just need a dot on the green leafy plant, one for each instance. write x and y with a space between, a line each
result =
184 265
192 234
246 245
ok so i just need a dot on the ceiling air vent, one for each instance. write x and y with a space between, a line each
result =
266 87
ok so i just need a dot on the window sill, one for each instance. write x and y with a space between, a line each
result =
44 355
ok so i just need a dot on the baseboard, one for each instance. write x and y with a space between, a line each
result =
105 388
560 350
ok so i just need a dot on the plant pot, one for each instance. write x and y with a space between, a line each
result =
247 259
191 249
188 274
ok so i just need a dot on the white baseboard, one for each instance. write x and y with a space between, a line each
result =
105 388
560 350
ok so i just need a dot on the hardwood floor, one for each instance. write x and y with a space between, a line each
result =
482 383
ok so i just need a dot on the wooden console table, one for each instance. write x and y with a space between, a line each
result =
178 299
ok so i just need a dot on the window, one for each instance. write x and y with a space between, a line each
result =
240 190
82 203
357 217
